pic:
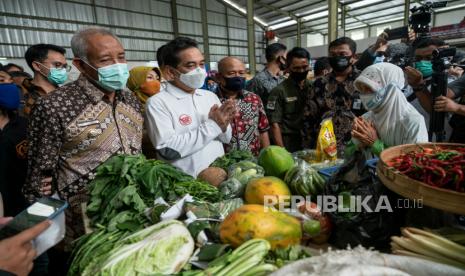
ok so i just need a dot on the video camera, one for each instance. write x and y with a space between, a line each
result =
419 21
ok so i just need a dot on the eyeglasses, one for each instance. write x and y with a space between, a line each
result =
61 65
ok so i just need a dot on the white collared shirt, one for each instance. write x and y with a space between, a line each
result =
180 130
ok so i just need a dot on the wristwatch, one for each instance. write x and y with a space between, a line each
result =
419 88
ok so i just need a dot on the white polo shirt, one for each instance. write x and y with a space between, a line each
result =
180 130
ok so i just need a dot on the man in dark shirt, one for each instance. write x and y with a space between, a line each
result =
335 94
50 69
13 150
286 103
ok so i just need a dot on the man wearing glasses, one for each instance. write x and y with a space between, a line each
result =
50 69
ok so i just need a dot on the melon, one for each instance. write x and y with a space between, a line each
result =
213 175
276 161
259 222
269 186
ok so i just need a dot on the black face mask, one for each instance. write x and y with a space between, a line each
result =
339 64
282 63
234 83
298 76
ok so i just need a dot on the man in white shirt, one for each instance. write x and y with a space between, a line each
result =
187 125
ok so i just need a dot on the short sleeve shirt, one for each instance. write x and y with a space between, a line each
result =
248 123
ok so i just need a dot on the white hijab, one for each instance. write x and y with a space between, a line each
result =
395 107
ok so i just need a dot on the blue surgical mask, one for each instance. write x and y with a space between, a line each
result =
372 101
425 67
112 77
57 75
378 59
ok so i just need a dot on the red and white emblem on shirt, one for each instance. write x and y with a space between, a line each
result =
185 120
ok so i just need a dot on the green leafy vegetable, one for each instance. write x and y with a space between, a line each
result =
283 256
231 158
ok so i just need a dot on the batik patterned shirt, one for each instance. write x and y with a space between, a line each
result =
72 131
248 123
339 101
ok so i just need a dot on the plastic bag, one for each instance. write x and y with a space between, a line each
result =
370 228
244 171
204 218
326 147
232 188
303 180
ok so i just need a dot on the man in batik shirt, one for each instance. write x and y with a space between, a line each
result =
335 95
250 125
82 124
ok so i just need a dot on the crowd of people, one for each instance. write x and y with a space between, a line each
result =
54 133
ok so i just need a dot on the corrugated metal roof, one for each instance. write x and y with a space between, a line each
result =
281 15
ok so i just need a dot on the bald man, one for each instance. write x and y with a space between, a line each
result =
250 125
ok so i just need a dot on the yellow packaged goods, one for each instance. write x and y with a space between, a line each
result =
326 147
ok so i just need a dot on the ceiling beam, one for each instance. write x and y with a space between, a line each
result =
240 12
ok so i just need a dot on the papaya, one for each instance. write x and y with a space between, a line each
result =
253 221
271 186
275 160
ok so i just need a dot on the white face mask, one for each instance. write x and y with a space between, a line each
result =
373 100
195 78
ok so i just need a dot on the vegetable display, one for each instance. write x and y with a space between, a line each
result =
426 245
150 218
126 186
163 248
441 167
246 260
244 171
231 158
303 180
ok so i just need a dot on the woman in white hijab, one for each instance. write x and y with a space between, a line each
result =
391 120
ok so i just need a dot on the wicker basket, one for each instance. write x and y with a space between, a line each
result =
438 198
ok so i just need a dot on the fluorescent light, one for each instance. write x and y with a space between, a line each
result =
450 8
279 20
315 15
284 24
244 11
387 21
260 21
325 7
231 3
356 27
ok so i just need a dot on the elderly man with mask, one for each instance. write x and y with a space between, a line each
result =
250 125
82 124
187 125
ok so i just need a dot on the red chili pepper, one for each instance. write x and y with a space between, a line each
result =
459 177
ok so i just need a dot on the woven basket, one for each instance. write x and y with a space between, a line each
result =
405 186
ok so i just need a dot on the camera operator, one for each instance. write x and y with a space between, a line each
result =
419 78
447 104
443 103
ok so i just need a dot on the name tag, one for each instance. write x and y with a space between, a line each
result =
357 105
291 99
271 105
87 123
